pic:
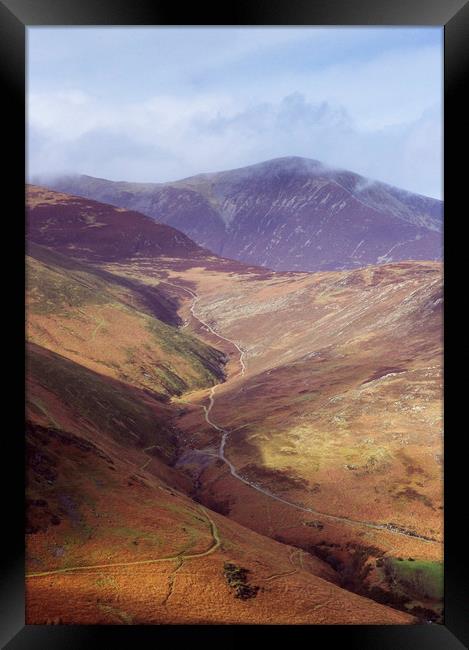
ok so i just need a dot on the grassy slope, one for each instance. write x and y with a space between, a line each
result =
104 326
67 396
98 494
152 554
422 577
358 412
356 415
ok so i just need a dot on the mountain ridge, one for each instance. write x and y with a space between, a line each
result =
287 214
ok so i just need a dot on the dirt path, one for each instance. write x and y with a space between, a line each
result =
180 557
99 320
149 459
195 300
295 569
225 434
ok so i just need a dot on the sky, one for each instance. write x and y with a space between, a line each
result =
156 104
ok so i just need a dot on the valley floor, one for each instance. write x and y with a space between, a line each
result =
300 484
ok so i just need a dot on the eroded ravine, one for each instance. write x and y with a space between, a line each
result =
225 434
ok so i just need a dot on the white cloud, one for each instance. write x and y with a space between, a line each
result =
155 106
167 138
393 87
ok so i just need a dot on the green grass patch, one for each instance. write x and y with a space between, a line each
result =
422 577
56 290
204 360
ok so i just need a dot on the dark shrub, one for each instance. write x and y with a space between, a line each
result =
236 578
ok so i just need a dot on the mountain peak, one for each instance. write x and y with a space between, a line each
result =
288 214
288 163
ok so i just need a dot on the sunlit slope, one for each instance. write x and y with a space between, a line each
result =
358 412
343 388
112 539
112 328
338 415
343 383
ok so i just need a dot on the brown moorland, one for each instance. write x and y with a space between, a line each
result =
324 441
340 406
113 537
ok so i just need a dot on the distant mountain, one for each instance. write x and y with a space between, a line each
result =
289 214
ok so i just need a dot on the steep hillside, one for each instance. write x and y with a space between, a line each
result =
95 321
66 395
288 214
113 538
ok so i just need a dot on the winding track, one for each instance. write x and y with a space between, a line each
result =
181 557
195 300
225 433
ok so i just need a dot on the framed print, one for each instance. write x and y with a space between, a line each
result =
240 414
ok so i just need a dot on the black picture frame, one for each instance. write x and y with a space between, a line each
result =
15 17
